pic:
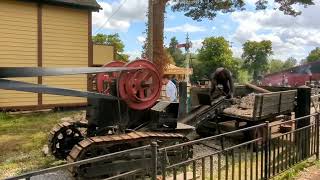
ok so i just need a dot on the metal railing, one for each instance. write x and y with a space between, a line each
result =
137 170
262 157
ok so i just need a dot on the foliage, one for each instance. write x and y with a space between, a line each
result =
216 53
197 67
243 76
314 55
198 10
275 65
278 65
294 171
255 56
112 40
289 63
176 53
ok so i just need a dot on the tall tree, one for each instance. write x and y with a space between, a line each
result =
176 53
289 63
314 55
215 52
275 65
198 10
255 55
112 40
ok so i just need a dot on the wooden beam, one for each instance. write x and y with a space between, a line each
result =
40 96
259 89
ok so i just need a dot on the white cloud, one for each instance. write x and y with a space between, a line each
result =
120 14
237 51
186 28
291 36
133 54
213 28
141 39
196 45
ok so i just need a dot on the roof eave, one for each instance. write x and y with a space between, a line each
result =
92 8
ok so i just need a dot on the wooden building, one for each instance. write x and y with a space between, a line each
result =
103 54
48 33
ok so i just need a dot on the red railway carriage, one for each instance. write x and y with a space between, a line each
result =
296 76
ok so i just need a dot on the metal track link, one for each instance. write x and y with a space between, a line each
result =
122 138
114 143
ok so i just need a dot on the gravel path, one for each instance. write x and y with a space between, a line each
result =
59 175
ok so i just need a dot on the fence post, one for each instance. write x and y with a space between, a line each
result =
317 135
154 159
266 151
302 110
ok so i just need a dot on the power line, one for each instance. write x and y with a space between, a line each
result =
109 18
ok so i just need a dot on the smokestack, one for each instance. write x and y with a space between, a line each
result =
309 73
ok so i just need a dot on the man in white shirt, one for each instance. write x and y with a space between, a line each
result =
171 89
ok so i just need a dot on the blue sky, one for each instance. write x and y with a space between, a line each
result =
290 36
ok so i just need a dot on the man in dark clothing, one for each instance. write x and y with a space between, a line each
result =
224 77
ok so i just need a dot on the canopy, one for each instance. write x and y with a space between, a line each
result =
174 70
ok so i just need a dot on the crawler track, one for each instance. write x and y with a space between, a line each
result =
100 145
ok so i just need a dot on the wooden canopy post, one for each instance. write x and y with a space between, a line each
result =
182 99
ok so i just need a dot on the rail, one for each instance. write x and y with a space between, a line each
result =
263 157
78 163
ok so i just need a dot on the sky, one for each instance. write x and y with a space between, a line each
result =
290 36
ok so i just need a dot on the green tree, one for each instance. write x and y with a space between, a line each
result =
289 63
255 56
198 10
243 76
197 67
215 52
314 55
176 53
112 40
275 65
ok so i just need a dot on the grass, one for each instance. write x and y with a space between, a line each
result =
22 138
294 171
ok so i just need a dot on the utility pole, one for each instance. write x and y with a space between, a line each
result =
187 48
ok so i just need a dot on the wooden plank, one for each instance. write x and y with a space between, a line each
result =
271 99
8 21
287 108
14 28
19 46
271 104
257 106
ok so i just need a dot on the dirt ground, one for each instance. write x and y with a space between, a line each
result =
311 173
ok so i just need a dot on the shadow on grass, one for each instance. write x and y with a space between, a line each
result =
22 138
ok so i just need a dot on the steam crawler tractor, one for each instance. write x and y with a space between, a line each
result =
124 113
133 120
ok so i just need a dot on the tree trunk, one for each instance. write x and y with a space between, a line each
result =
156 26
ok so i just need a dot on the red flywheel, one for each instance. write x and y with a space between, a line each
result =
105 79
140 89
